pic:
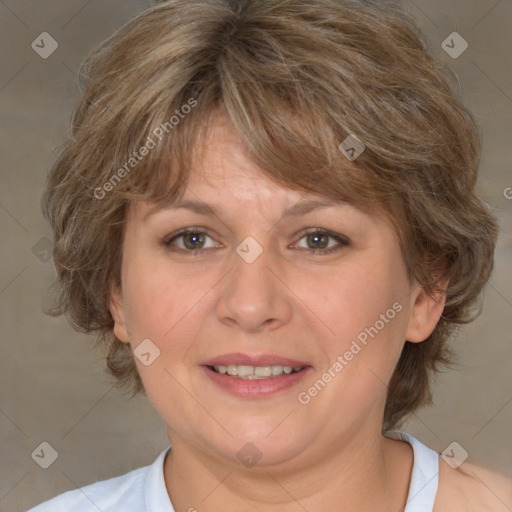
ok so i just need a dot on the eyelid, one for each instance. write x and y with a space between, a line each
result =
309 231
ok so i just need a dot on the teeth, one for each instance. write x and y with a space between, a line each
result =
262 371
243 371
255 372
232 370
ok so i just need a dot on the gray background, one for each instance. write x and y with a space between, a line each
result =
52 387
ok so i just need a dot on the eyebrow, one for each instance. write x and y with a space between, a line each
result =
201 208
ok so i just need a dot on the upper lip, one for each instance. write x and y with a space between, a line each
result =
254 360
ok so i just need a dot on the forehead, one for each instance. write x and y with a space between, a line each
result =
219 154
223 175
224 178
222 168
222 164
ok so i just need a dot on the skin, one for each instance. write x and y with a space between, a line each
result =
326 455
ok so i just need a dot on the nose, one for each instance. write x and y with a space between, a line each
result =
255 296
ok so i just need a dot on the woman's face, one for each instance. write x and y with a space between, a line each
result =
254 292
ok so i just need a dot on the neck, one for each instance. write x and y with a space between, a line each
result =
369 473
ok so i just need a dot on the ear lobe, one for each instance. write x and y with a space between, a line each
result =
117 312
425 314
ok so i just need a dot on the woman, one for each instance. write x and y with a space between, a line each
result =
266 211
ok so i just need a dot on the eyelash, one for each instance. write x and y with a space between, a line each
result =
343 242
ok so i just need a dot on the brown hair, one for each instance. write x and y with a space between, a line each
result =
295 78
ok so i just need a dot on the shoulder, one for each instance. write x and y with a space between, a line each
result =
472 488
121 493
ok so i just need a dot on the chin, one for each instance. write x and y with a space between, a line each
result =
261 446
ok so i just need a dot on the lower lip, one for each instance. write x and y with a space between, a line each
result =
255 388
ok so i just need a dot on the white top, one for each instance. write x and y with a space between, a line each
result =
143 489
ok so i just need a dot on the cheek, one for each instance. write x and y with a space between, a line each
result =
365 310
150 298
355 298
165 305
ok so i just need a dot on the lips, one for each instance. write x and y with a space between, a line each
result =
255 388
255 379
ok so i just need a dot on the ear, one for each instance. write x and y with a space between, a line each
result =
425 313
117 311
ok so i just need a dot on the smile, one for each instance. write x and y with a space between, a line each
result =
255 382
255 372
